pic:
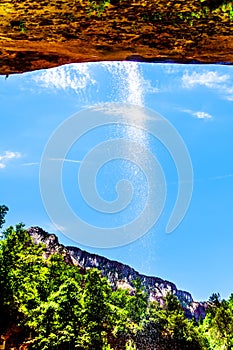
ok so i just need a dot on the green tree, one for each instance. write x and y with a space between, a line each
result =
167 328
96 309
137 303
215 299
57 307
121 324
21 263
57 322
217 327
3 211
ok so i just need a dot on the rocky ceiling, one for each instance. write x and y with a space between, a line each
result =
36 34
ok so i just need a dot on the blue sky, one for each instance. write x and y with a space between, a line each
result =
197 101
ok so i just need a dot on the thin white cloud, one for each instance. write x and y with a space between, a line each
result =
171 68
52 227
148 87
210 79
7 156
228 92
221 177
212 178
229 98
198 114
202 115
221 83
31 164
67 160
75 77
59 228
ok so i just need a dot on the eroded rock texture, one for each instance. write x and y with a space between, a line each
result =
42 34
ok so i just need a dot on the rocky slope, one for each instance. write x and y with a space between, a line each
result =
119 275
43 34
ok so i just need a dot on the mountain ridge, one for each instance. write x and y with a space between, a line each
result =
119 275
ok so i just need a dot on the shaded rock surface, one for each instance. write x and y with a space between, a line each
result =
118 274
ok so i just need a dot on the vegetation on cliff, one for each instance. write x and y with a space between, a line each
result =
47 303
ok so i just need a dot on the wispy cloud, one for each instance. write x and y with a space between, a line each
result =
7 156
53 227
202 115
222 177
198 114
73 77
228 92
221 83
210 79
30 164
171 68
66 160
211 178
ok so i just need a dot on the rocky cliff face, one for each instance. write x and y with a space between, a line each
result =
119 275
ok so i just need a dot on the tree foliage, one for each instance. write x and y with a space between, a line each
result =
46 303
3 211
217 327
